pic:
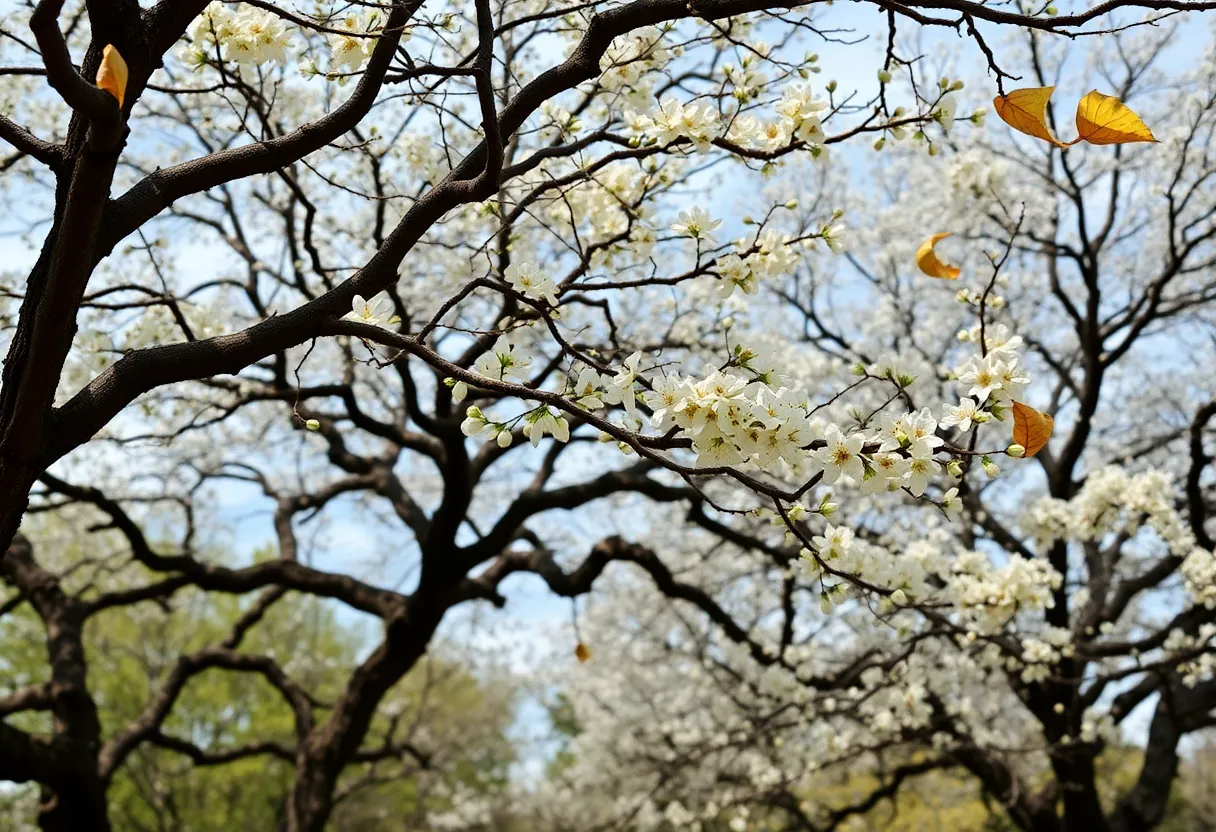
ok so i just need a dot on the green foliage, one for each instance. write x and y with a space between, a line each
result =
448 713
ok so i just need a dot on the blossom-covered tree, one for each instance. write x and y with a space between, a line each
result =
1010 638
351 258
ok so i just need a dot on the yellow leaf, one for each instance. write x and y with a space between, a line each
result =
926 258
582 652
1104 119
1026 111
112 74
1031 429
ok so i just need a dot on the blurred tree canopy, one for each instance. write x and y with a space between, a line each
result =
218 761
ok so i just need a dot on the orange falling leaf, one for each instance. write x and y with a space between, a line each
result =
1104 119
1026 111
1031 429
926 259
112 74
582 652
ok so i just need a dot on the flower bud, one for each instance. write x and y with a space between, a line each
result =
884 77
954 468
990 468
1016 451
312 424
899 598
504 439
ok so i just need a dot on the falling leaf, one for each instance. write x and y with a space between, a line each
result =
112 74
582 652
1031 429
926 258
1104 119
1026 111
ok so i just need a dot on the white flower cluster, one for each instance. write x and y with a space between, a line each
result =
559 122
537 423
1098 725
593 389
1203 665
747 79
731 420
988 597
507 360
799 119
244 36
349 51
975 177
628 64
768 255
801 111
744 414
1041 653
1114 501
983 595
906 574
612 206
765 135
673 119
993 381
527 279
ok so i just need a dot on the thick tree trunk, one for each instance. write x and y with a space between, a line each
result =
74 793
46 326
74 805
1074 770
330 747
16 480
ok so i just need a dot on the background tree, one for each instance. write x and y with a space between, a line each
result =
767 711
222 757
203 322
